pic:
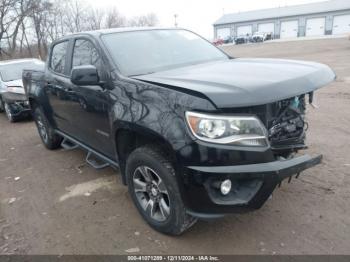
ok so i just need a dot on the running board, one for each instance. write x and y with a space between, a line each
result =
93 158
68 144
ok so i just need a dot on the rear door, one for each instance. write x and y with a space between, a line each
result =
59 93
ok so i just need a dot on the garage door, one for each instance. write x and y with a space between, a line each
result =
267 28
223 32
315 26
244 30
289 29
341 24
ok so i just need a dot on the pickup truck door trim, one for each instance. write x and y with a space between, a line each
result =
57 91
92 103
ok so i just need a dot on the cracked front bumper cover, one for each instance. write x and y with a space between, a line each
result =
19 104
254 185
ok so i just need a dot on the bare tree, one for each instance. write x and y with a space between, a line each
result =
75 15
56 23
27 27
150 19
25 38
114 19
22 9
95 19
7 18
40 15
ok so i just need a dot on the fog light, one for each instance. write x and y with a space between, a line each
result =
225 187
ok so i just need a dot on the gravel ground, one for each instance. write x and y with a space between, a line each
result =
51 202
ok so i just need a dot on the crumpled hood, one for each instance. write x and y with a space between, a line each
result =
246 81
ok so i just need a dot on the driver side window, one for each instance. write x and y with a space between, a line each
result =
85 53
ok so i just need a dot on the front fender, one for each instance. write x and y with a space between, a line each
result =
158 110
155 113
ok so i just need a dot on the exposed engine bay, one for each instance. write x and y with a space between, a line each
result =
285 122
287 125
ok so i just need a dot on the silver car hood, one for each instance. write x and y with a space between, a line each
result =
17 86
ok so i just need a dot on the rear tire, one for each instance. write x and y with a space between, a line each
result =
154 189
47 134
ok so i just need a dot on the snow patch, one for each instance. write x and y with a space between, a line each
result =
89 187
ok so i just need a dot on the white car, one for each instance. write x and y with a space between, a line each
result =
259 37
12 97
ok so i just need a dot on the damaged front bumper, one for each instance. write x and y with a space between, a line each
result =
19 104
252 185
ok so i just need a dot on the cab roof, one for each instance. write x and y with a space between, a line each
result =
97 33
125 29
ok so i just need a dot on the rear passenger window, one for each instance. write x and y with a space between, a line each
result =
58 57
85 53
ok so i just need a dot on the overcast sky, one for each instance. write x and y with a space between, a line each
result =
196 15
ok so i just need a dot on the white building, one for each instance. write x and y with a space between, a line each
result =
316 19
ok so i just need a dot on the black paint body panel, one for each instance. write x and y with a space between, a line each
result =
155 106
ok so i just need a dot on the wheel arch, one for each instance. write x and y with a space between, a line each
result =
129 137
33 102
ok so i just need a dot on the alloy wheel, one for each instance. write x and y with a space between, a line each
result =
151 193
8 112
42 129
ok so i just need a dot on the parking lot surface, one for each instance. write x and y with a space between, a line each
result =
52 202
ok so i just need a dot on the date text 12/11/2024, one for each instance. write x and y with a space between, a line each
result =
173 258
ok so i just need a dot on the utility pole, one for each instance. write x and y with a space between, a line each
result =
175 17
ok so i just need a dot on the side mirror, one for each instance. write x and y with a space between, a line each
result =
85 75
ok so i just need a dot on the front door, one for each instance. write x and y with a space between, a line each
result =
92 103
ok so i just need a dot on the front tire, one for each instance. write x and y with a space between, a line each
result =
9 113
1 105
47 134
153 187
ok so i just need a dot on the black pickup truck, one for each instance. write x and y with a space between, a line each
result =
194 132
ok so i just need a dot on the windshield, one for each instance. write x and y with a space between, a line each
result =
13 71
145 52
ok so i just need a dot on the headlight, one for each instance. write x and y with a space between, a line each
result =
234 130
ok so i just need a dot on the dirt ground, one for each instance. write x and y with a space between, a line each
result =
51 202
